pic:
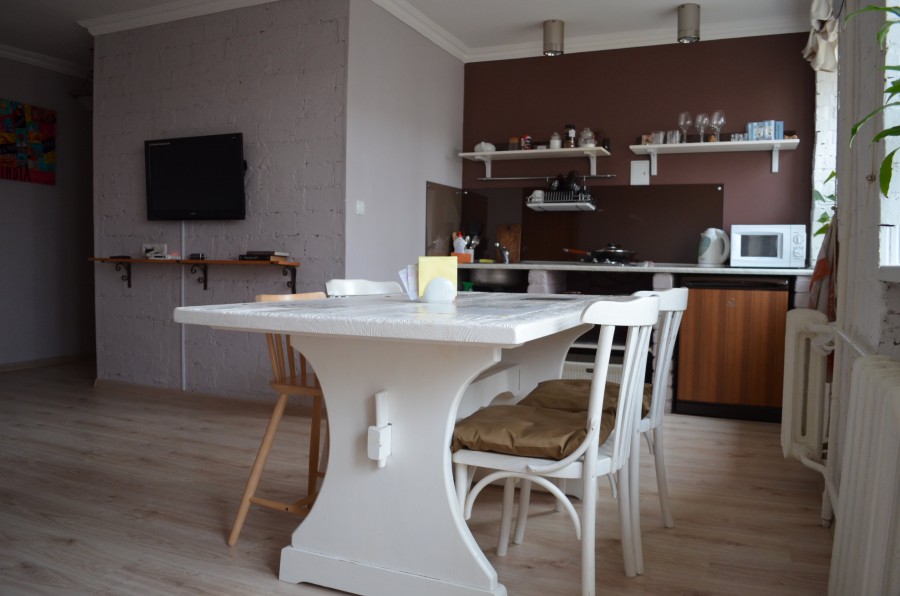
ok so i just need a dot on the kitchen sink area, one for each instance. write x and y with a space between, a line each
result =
498 276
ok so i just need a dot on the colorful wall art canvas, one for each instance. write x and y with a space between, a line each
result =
27 143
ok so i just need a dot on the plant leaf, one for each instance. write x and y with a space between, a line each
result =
886 171
887 132
831 176
855 129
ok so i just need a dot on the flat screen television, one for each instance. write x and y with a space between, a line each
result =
195 177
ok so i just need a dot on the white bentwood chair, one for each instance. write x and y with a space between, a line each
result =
291 375
573 395
361 287
537 444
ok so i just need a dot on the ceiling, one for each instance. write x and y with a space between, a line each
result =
57 34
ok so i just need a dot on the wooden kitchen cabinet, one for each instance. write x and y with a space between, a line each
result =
731 355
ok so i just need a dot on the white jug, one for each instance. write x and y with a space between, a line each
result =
714 248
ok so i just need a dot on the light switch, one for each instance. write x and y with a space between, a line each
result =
640 173
360 207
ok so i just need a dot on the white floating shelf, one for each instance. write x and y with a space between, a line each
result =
491 156
720 147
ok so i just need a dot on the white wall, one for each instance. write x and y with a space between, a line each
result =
404 128
45 232
275 72
824 153
861 296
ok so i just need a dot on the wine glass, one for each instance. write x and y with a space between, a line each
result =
684 123
701 122
717 121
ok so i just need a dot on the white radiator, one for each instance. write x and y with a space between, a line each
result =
866 554
804 402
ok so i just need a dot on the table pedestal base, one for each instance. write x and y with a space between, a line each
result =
358 578
398 529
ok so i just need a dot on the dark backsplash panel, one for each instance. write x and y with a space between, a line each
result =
661 223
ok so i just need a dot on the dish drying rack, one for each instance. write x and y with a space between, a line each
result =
562 200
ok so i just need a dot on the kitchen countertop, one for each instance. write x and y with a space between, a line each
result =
646 267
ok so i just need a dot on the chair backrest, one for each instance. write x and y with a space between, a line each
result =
672 304
281 354
361 287
638 314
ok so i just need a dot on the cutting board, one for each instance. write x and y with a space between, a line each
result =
510 236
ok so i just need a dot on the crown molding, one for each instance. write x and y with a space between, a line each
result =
631 39
42 61
413 17
164 13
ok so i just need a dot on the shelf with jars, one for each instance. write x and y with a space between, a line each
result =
653 150
488 157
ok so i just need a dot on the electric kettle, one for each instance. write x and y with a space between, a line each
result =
715 248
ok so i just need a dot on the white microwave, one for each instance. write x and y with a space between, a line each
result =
775 246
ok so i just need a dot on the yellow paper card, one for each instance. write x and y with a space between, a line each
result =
431 267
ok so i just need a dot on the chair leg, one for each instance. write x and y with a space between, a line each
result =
524 504
315 437
588 538
461 479
661 483
561 483
634 489
256 471
509 496
625 520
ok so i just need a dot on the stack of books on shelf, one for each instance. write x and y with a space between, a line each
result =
274 256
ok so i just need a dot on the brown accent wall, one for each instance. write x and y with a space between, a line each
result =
629 92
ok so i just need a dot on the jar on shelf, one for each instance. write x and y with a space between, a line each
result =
555 141
570 136
586 138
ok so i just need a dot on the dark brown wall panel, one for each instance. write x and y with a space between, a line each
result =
629 92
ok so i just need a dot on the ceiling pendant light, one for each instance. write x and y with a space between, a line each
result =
688 23
553 37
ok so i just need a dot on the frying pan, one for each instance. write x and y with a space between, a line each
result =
613 252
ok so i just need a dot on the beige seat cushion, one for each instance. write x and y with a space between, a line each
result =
572 395
528 431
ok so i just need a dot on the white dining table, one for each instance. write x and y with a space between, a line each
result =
398 529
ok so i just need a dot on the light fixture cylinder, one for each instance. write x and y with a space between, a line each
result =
689 23
553 37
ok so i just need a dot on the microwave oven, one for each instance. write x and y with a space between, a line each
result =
775 246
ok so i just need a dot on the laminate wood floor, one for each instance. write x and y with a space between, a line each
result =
118 490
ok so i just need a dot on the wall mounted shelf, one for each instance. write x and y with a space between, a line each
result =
288 268
488 157
721 147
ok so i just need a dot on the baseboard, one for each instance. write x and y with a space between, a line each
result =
731 411
56 360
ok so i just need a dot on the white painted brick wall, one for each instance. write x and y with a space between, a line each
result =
274 72
825 152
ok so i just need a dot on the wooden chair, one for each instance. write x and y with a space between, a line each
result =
538 444
361 287
574 395
290 376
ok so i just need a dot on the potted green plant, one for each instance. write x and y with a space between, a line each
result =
827 202
892 90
